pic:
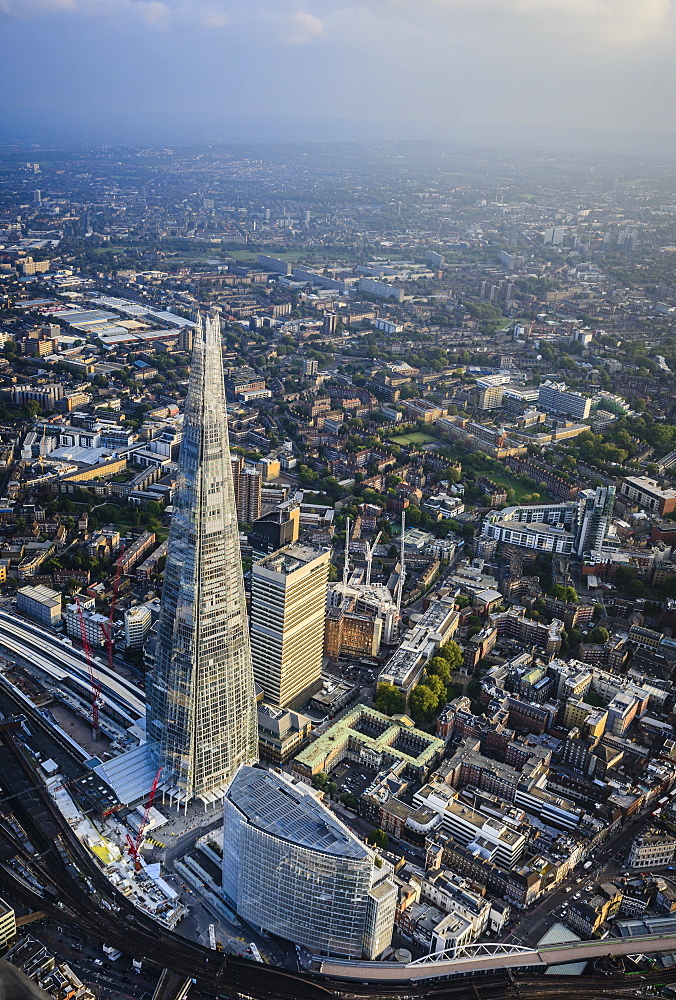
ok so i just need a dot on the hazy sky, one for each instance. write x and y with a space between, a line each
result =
570 63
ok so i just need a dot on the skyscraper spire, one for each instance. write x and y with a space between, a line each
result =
201 711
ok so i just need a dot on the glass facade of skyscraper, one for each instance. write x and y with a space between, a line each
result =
291 867
201 712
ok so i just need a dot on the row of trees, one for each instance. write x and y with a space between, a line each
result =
431 694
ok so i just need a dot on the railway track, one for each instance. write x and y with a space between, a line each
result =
77 894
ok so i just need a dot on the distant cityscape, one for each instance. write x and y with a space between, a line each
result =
337 572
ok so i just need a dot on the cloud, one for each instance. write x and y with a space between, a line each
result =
615 21
303 27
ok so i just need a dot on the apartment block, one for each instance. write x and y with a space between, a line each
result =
648 494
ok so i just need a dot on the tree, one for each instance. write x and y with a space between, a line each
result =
439 667
389 700
436 684
32 408
307 476
348 800
378 838
568 594
452 653
599 635
423 703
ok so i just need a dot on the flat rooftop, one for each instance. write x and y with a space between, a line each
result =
290 558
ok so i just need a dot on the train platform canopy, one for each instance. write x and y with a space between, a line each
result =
558 933
130 775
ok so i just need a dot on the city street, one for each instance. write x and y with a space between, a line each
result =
114 979
608 864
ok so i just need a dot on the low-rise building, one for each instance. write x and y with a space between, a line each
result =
483 836
652 849
437 625
648 494
7 924
281 733
587 917
54 977
375 739
40 603
85 618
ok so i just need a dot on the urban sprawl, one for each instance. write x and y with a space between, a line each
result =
338 566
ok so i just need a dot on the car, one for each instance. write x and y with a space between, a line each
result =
577 895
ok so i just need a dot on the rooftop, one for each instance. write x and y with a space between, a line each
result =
290 558
291 811
377 732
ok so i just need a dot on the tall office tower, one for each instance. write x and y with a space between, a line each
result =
201 712
288 608
291 867
595 509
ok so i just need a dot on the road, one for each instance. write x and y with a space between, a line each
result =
100 912
607 865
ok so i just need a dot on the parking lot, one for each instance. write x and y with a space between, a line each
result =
352 777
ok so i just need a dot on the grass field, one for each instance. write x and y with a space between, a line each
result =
520 490
415 437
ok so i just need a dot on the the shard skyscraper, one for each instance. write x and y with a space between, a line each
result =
201 711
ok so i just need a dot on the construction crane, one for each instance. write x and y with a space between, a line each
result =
370 549
93 680
134 843
113 601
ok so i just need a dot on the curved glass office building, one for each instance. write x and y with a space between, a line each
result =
292 868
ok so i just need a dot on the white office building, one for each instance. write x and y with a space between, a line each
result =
137 622
555 397
288 611
40 603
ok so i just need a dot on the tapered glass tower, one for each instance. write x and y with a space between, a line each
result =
201 712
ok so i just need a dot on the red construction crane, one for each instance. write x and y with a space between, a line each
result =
113 601
95 683
134 843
